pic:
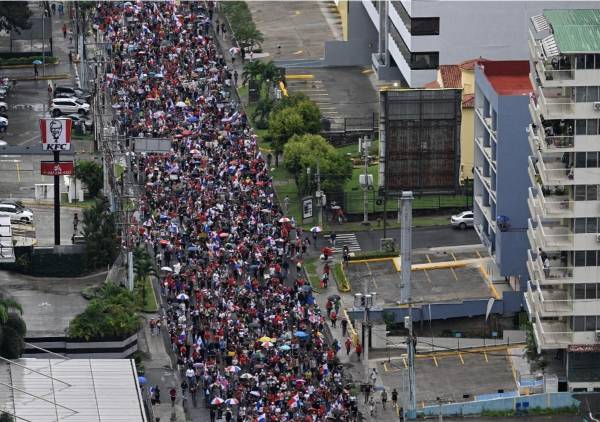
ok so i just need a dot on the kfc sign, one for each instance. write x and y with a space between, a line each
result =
50 168
56 134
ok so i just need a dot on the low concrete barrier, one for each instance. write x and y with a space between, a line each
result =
112 349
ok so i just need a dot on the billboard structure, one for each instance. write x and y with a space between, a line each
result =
420 141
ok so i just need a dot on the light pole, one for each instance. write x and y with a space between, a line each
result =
365 302
363 146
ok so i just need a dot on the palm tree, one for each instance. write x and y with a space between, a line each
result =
271 73
252 70
143 266
6 305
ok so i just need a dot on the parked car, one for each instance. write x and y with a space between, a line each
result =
3 106
79 119
17 214
68 106
61 91
3 143
462 220
3 124
17 203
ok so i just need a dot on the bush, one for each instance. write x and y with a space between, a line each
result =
19 61
112 314
340 278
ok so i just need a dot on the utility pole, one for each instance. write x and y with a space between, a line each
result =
363 146
406 298
366 302
319 193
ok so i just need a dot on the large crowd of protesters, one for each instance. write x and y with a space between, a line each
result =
249 338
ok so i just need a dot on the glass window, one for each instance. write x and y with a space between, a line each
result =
425 26
580 159
580 127
424 60
579 192
592 193
592 93
580 61
580 225
592 159
581 94
597 66
580 258
592 127
578 323
592 227
589 61
590 291
579 291
590 323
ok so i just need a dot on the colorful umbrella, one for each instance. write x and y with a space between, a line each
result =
217 401
231 402
182 296
233 369
284 220
265 338
266 344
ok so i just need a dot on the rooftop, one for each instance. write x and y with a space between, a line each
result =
509 77
451 76
470 64
575 30
77 390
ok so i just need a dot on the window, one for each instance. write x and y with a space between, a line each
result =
578 323
580 159
590 323
580 127
417 26
579 192
580 258
581 94
592 192
592 127
590 291
579 225
592 93
592 159
579 291
589 61
416 60
592 227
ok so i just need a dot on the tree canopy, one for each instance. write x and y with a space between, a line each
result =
100 234
14 16
302 152
299 117
90 173
12 329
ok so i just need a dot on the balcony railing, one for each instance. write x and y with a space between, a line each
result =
552 334
550 302
555 273
551 203
554 172
555 105
544 140
550 237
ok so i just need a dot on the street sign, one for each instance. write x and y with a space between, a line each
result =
63 168
56 134
307 208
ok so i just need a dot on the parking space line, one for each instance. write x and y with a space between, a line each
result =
461 358
428 259
371 275
435 361
485 356
18 171
454 273
478 254
428 278
453 256
404 362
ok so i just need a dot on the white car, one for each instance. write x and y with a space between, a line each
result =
68 106
462 220
3 106
17 214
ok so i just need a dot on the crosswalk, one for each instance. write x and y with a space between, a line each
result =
345 239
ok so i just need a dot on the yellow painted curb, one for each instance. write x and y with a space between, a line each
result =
489 282
363 261
283 88
345 279
351 329
300 77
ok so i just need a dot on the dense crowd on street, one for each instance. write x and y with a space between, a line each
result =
248 336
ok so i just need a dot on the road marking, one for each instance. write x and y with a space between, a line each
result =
478 254
454 274
298 52
461 358
18 171
367 71
485 356
318 94
404 361
371 275
435 361
453 256
428 259
428 278
297 12
300 76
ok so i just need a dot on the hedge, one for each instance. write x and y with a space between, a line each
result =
374 255
340 278
18 61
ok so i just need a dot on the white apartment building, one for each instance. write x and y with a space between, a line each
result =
407 40
563 295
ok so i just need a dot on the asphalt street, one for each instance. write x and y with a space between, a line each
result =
423 237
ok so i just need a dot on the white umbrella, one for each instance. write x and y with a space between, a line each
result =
284 220
246 376
180 104
182 296
316 229
168 269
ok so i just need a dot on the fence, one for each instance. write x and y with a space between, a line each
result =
344 131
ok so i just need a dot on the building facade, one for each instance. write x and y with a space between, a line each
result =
407 40
563 296
502 91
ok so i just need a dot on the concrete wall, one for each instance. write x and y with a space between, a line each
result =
543 401
466 143
361 40
114 349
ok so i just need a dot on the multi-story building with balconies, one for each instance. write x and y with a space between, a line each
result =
407 40
502 90
563 295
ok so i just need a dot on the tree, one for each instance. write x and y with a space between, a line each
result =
282 126
304 151
100 234
90 173
311 115
270 72
262 112
12 329
143 266
14 16
6 417
252 70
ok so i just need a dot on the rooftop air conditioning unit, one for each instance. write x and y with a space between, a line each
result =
597 106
